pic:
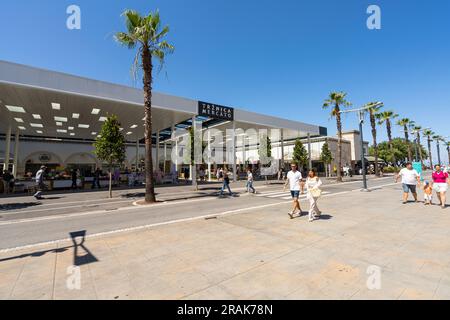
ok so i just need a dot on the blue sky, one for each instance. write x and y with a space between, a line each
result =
275 57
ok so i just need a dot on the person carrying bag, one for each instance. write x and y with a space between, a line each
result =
313 184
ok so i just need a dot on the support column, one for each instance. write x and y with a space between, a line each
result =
282 149
193 167
157 152
16 154
209 155
244 154
137 153
233 137
7 148
309 151
165 156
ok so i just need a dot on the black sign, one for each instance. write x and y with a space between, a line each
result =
215 111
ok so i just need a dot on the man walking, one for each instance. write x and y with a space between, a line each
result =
7 178
410 180
250 181
40 186
294 178
226 183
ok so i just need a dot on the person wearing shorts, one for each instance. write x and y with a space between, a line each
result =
440 185
293 179
410 180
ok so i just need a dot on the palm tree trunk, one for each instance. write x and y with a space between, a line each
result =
407 142
429 152
149 180
375 145
339 151
389 133
420 149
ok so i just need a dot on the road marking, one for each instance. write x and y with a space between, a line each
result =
66 207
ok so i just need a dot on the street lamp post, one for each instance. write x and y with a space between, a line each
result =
361 113
363 156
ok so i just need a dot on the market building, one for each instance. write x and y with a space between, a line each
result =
51 118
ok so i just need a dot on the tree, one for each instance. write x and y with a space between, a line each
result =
387 117
110 146
300 155
336 101
406 124
327 157
374 109
438 140
429 134
417 129
147 34
265 152
399 149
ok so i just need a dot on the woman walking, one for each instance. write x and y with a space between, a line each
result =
440 185
313 184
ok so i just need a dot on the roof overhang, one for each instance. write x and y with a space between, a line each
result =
35 90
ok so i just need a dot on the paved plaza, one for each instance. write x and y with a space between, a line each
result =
365 246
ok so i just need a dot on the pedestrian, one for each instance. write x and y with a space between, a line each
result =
428 193
220 177
74 178
293 179
410 180
250 181
303 181
440 185
96 181
226 182
7 178
40 185
313 184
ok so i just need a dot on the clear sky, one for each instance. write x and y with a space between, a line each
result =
274 57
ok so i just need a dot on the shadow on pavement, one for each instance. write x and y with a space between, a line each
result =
19 205
78 260
88 257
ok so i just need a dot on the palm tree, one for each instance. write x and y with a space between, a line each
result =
448 150
336 101
417 129
406 123
374 108
438 140
147 34
387 117
429 134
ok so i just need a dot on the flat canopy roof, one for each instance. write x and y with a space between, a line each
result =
57 105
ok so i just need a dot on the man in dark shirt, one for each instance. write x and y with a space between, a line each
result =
97 175
74 178
7 178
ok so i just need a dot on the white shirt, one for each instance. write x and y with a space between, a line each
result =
250 177
294 180
409 177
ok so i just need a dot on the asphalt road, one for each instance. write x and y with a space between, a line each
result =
25 223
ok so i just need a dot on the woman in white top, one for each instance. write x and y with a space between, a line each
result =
313 184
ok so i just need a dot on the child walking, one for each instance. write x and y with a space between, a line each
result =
428 193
